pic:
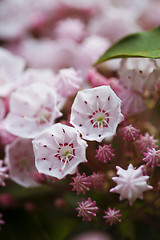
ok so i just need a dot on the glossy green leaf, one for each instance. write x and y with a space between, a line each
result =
144 45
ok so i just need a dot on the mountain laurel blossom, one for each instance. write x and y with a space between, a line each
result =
130 183
96 113
58 150
32 109
21 161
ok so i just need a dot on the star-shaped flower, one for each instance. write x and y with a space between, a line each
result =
130 183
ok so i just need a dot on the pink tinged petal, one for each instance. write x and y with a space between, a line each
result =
96 113
28 117
21 162
58 150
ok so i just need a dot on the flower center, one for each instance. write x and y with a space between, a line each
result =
99 119
65 154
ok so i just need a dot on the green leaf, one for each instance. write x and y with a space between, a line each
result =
144 45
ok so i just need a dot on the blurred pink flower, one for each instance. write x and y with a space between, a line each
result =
21 161
32 109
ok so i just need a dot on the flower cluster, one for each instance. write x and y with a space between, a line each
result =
67 128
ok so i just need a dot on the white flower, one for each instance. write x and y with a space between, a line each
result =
96 113
32 109
58 150
130 183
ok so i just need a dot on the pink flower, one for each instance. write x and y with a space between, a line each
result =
21 161
98 180
87 209
80 183
68 82
32 109
3 173
73 29
152 157
105 153
58 150
145 142
130 133
130 183
96 113
112 216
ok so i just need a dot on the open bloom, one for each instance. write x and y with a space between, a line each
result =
58 150
32 109
130 183
96 113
